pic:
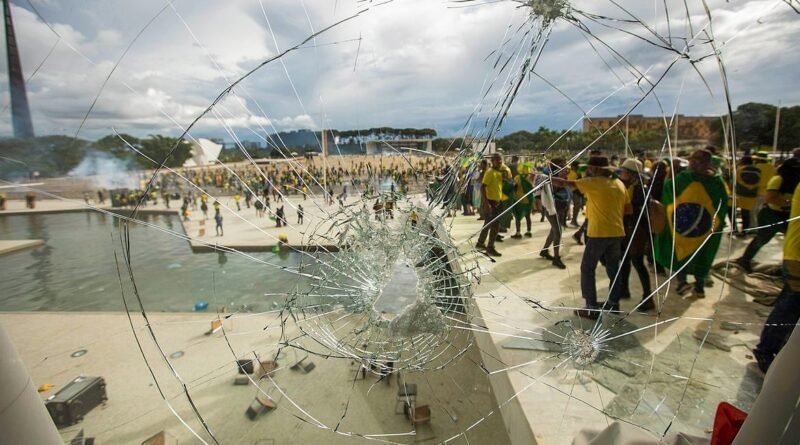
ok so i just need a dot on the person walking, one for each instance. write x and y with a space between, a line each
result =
577 198
786 311
299 214
747 179
696 203
772 218
637 234
491 197
204 209
523 200
607 203
551 212
218 220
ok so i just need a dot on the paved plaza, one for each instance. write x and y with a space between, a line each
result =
660 368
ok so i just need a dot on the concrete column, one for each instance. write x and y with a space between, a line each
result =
23 417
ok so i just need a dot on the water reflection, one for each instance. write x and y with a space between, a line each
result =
76 270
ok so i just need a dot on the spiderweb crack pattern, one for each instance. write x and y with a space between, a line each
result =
643 370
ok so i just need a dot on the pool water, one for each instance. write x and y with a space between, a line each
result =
76 271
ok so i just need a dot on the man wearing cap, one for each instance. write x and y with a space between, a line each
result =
607 203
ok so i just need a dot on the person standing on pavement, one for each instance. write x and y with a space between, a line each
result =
637 233
786 312
551 211
218 220
607 202
772 217
696 204
491 198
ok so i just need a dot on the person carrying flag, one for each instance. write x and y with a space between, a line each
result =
747 178
696 204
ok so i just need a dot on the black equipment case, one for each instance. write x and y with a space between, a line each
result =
68 406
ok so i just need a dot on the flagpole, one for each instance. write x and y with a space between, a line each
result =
324 166
777 128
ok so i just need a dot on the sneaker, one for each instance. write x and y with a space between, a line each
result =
528 234
698 295
516 236
557 262
683 288
708 282
546 255
480 246
491 252
591 314
575 224
577 237
499 239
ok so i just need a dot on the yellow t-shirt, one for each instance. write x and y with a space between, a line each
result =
791 243
774 185
767 172
493 180
605 206
572 175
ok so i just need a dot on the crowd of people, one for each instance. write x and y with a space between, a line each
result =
264 187
670 213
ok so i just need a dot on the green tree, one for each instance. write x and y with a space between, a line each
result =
115 145
49 155
173 152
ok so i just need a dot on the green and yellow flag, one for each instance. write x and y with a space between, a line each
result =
695 211
747 179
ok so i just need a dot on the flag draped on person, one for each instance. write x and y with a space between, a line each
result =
695 206
522 192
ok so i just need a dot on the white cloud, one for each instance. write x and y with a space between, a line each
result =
420 63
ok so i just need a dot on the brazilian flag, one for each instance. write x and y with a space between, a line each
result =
747 179
695 212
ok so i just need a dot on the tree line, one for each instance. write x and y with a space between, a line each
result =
57 155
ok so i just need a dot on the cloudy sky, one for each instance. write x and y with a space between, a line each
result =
152 66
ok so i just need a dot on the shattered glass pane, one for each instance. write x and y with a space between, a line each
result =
340 297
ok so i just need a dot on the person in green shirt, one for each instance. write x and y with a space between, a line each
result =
772 217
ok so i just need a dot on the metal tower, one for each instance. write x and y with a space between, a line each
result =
20 112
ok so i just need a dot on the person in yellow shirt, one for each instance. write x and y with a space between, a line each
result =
772 218
491 198
747 179
607 203
577 197
762 162
786 312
